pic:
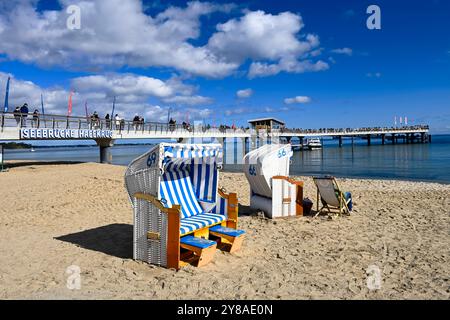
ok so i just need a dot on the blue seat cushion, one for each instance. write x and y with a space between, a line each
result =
227 231
197 242
203 220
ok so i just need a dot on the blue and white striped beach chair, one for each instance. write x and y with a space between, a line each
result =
176 200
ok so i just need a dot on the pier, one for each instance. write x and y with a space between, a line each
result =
261 131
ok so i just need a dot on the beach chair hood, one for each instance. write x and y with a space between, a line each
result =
262 164
200 161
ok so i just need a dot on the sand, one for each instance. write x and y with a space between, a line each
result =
55 216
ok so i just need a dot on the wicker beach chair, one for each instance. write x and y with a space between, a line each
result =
331 196
176 200
272 191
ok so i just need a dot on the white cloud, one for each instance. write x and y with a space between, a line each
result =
118 33
244 93
254 110
133 96
297 99
124 84
189 100
266 37
373 75
345 51
113 33
258 69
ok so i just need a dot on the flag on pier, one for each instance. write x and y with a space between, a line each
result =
42 104
86 110
7 95
69 111
113 107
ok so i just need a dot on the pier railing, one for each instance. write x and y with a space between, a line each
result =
10 119
28 120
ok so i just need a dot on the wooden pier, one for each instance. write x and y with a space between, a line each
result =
262 131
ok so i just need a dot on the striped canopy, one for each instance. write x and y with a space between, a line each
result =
187 152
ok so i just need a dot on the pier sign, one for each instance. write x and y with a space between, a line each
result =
57 134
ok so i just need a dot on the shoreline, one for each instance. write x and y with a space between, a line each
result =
56 216
16 163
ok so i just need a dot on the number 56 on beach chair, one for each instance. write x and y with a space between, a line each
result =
331 196
180 215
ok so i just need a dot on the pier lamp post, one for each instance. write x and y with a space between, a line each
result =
168 114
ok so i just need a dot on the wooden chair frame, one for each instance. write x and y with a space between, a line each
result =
174 259
343 207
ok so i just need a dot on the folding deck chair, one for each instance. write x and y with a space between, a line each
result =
180 215
272 191
331 196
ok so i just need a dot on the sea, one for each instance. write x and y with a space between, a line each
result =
417 162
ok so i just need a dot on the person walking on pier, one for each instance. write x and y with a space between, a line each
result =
17 115
136 121
24 114
95 120
108 121
117 121
172 124
35 123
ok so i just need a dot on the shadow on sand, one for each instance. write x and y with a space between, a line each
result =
113 239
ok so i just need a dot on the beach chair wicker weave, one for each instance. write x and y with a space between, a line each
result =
174 192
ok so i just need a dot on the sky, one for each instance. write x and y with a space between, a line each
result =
313 64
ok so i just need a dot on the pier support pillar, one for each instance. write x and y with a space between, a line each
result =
245 149
393 139
252 145
340 141
105 146
422 137
383 139
222 142
235 150
369 142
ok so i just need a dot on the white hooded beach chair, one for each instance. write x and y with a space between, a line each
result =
177 205
272 191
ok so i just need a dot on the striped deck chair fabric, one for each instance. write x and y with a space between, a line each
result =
204 179
221 206
176 188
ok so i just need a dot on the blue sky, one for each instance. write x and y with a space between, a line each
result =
348 76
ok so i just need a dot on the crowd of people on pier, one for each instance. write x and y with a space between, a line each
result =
115 122
349 130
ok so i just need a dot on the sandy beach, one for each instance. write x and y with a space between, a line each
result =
55 216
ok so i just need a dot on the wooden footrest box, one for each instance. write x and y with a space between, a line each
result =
201 248
229 236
